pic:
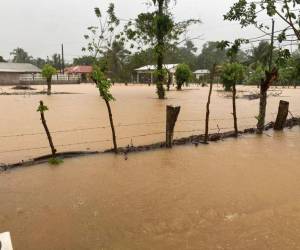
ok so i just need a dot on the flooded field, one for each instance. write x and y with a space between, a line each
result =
79 121
235 194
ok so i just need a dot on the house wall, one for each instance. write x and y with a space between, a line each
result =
9 78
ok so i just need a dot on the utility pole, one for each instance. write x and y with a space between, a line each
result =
272 46
62 59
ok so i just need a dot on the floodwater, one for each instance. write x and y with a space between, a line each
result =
236 194
80 121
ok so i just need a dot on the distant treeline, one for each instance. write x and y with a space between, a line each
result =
121 62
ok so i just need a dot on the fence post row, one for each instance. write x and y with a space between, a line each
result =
282 115
172 115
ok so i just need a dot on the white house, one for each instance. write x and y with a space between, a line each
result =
145 74
11 73
201 73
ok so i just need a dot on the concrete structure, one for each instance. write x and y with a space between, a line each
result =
11 73
145 74
200 73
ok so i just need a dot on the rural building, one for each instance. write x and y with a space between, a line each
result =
11 73
81 70
201 73
145 74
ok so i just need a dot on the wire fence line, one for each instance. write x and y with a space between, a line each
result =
108 140
118 125
219 129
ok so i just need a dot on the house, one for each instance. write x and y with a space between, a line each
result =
80 70
11 73
201 73
145 74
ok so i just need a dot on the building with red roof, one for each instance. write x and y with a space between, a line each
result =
82 70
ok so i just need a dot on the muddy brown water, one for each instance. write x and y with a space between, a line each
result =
235 194
137 112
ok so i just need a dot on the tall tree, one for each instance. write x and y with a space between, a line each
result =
159 30
20 56
211 55
233 73
246 12
39 62
56 61
117 56
260 54
48 71
84 60
184 54
100 42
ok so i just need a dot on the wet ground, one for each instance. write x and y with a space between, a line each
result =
237 194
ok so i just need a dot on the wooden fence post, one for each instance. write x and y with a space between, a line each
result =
283 112
172 115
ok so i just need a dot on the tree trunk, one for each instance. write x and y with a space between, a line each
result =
271 76
179 86
208 104
49 86
234 110
262 111
53 150
160 52
169 80
112 126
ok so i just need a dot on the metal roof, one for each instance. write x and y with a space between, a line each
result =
153 67
202 71
18 68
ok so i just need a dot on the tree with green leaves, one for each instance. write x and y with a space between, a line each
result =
56 61
104 85
260 54
232 72
48 71
183 75
256 72
117 56
84 60
100 43
159 30
247 11
39 62
2 59
182 54
211 55
20 56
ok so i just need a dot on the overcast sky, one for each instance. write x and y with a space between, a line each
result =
40 26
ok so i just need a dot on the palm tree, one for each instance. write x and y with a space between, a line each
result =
20 56
261 54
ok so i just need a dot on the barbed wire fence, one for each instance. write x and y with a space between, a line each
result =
87 142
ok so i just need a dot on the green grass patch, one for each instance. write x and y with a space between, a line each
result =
55 161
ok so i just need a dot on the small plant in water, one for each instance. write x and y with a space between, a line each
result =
55 161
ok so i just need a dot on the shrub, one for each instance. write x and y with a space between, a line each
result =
232 73
183 74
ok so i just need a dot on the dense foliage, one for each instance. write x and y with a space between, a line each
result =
183 74
232 73
48 71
